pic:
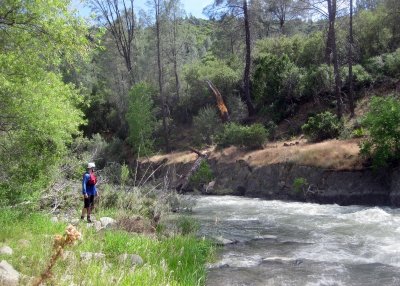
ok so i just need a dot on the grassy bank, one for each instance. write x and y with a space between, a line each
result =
173 260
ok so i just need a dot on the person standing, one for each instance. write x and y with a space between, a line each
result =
89 191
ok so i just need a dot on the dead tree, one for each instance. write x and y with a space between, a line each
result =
220 102
182 184
120 22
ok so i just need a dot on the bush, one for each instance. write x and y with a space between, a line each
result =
322 126
202 176
277 85
382 122
187 225
319 80
299 184
206 124
361 77
251 137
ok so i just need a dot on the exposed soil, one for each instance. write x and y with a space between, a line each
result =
332 154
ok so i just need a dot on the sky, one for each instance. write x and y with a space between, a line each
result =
194 7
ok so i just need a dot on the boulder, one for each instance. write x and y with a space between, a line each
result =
223 241
6 250
87 256
133 259
8 275
107 222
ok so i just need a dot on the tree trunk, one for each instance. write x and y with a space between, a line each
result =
332 50
160 77
351 41
246 78
175 55
183 183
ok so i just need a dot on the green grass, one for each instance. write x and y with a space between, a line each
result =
176 260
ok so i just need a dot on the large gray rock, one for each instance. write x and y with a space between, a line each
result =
107 222
87 256
6 250
8 275
133 259
223 241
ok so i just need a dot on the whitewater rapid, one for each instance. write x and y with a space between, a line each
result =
292 243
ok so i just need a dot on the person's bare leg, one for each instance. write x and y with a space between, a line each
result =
89 209
83 213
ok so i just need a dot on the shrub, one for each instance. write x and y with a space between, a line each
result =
360 76
319 80
322 126
299 184
251 137
237 109
382 122
392 64
202 176
206 124
187 225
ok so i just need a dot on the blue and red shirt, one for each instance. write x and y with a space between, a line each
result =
88 189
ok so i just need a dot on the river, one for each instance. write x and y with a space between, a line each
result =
292 243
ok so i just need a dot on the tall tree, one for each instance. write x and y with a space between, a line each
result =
283 10
38 111
238 8
119 20
157 6
351 43
174 15
329 9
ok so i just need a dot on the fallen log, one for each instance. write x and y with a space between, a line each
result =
184 181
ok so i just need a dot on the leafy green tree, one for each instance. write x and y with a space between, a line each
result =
38 111
277 85
382 123
140 117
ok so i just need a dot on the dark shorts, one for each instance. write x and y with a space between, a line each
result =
89 201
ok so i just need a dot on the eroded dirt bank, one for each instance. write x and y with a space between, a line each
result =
328 172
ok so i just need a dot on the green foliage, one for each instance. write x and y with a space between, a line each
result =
392 64
276 85
202 176
322 126
382 123
206 124
372 32
219 72
384 65
302 50
39 114
252 136
237 108
319 80
140 118
299 184
124 174
361 77
187 225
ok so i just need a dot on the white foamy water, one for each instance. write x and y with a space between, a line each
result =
291 243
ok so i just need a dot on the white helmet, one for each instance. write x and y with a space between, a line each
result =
91 165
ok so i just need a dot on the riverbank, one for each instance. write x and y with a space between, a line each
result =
327 172
108 256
